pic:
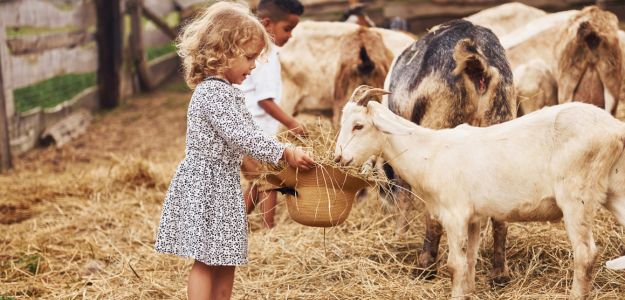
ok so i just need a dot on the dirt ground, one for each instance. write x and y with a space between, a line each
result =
79 222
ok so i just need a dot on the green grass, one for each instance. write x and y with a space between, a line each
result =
155 52
30 262
53 91
7 298
13 32
30 30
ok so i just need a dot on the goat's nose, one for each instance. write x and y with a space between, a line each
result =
337 158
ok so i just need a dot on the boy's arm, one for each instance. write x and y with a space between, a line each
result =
271 108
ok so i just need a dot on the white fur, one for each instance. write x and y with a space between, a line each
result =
565 160
616 264
535 27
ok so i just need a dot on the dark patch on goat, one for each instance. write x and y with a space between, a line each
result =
418 110
366 66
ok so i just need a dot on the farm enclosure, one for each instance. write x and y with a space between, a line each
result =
80 221
66 56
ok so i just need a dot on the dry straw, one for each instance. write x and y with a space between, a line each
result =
93 207
322 196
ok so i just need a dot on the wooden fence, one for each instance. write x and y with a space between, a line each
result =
120 47
423 14
99 51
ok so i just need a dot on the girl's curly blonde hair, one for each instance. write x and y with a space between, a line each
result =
215 37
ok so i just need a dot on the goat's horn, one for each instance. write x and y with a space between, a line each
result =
365 93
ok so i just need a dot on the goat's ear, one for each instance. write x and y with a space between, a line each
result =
365 93
587 33
386 121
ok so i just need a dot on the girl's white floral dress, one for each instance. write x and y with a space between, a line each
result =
204 213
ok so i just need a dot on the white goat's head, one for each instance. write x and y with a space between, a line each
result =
359 138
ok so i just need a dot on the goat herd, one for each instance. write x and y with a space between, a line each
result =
515 161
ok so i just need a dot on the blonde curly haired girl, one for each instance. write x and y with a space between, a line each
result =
218 35
203 215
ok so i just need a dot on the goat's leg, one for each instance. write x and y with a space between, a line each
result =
615 202
617 208
578 220
616 205
499 274
427 257
473 247
403 199
396 196
457 261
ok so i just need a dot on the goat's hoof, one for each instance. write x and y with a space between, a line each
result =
500 280
427 274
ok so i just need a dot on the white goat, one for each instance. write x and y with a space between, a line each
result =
564 160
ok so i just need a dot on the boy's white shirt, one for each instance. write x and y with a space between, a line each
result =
265 82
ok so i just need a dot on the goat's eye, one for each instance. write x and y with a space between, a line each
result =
357 127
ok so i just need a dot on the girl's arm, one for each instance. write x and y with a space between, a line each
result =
228 122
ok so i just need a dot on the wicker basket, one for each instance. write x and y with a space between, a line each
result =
324 194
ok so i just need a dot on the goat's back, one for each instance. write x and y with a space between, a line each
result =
457 73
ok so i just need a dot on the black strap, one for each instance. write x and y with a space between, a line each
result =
287 191
218 79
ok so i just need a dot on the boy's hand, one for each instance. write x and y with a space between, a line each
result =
298 129
298 158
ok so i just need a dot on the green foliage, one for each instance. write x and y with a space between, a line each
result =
155 52
30 30
7 298
30 262
53 91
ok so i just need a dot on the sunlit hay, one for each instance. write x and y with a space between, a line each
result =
92 236
320 141
137 171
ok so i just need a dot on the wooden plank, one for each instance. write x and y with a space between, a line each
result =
68 128
184 4
163 67
5 62
87 99
154 37
5 150
425 10
137 49
38 13
41 43
25 130
160 8
31 68
109 39
171 33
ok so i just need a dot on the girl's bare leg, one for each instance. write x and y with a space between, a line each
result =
267 207
251 198
223 279
200 282
210 282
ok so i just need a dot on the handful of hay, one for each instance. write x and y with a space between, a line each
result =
322 196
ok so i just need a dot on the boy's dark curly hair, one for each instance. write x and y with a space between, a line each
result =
277 10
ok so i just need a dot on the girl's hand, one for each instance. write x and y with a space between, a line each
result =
298 158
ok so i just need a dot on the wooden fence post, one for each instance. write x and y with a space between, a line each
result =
135 9
5 146
109 38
